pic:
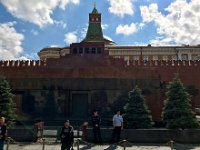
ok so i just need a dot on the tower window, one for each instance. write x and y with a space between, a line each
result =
87 50
93 50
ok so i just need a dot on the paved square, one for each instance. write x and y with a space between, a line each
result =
36 146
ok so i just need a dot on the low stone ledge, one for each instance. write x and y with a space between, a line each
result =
151 135
132 135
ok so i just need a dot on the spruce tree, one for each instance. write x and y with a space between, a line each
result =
7 107
177 112
137 114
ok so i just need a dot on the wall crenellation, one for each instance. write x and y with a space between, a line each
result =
116 62
162 63
22 63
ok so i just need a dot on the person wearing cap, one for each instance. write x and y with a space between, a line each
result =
96 120
117 126
2 132
67 136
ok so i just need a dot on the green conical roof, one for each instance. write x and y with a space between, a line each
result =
94 32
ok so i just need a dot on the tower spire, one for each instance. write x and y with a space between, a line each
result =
95 5
94 11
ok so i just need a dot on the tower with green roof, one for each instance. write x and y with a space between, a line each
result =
94 32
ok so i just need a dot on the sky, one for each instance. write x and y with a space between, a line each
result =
27 26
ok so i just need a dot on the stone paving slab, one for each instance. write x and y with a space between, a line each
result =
99 147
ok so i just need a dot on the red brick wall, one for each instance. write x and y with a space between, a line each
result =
102 66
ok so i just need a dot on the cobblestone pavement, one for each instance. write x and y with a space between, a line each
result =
101 147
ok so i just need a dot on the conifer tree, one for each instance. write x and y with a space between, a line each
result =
177 112
7 107
137 114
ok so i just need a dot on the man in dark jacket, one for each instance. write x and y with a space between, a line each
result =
96 120
67 136
2 132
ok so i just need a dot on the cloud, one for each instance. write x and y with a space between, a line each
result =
179 26
63 3
141 25
121 7
70 38
149 13
60 24
34 32
104 26
54 45
83 32
126 29
10 42
161 40
35 11
31 56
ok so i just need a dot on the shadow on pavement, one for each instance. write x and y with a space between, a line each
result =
183 146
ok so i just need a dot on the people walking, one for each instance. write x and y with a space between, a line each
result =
117 127
67 136
2 132
96 120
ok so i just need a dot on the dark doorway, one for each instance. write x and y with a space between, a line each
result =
28 103
79 105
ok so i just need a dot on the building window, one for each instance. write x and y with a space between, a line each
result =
184 57
80 50
155 58
135 57
75 51
145 58
174 57
165 58
87 50
197 57
93 50
126 58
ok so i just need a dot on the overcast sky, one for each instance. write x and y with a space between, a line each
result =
27 26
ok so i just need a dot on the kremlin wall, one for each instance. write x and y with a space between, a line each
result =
87 76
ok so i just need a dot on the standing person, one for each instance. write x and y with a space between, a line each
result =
67 136
39 127
2 132
96 120
117 126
